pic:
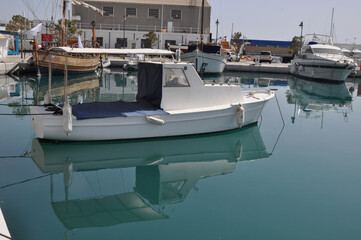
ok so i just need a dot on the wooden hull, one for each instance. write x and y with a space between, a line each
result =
77 64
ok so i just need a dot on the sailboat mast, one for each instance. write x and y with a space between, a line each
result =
202 27
331 30
63 25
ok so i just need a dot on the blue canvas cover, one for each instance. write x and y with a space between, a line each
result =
150 83
206 48
114 109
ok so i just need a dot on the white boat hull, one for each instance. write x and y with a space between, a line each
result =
205 62
323 70
196 121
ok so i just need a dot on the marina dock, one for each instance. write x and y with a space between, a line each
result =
17 65
247 66
14 64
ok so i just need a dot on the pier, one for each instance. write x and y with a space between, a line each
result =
16 65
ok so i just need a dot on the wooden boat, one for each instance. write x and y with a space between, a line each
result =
172 100
76 63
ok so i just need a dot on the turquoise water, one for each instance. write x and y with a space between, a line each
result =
294 180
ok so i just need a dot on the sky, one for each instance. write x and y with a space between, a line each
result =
255 19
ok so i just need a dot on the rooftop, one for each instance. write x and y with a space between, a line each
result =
191 3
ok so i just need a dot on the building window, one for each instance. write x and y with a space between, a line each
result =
99 40
108 11
176 14
169 42
153 13
131 12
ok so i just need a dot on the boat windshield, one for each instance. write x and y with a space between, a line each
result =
327 50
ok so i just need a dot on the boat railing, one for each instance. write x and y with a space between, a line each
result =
144 28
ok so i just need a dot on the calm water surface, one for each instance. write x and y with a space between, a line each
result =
297 180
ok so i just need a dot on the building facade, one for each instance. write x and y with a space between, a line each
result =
125 22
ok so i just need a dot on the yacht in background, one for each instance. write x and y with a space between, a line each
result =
321 60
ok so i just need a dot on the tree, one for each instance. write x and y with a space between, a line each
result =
71 31
17 23
151 39
296 44
235 40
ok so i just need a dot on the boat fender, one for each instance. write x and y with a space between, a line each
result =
300 68
238 149
155 120
67 118
47 99
240 116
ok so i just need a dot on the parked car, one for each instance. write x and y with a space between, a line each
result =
266 56
231 56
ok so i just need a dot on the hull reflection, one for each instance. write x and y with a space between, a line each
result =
166 170
312 99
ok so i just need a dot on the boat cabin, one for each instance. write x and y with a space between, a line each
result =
163 88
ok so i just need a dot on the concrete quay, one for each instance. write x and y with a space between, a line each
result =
14 64
247 66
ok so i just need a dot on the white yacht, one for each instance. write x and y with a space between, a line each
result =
322 61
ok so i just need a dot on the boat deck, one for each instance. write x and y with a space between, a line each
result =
114 109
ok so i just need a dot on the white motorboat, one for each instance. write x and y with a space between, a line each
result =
172 100
322 61
205 62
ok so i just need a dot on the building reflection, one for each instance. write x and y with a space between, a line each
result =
166 171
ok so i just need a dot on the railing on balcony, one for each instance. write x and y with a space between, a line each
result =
142 28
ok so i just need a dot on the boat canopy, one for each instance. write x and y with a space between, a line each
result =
114 51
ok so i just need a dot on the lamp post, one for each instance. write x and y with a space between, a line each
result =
301 25
93 31
217 22
124 19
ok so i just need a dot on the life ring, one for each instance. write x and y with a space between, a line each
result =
240 116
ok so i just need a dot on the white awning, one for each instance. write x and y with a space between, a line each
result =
113 51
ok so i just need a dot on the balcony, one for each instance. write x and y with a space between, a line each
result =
141 28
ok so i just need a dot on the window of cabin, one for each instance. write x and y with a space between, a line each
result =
175 78
176 14
108 11
153 13
131 12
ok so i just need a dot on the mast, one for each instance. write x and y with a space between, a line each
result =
332 28
202 27
63 25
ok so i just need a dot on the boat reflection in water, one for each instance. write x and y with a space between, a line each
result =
312 98
81 88
166 170
102 87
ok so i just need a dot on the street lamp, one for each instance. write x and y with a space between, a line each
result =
93 31
217 22
124 19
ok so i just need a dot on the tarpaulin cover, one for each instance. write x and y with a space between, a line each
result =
206 48
150 83
114 109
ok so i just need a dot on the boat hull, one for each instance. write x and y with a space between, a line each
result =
321 70
206 120
205 62
77 64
